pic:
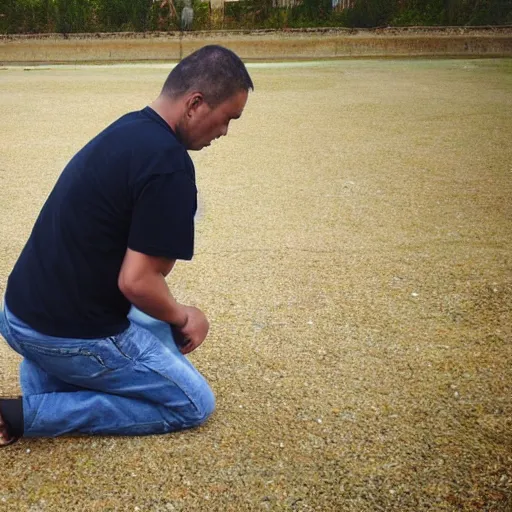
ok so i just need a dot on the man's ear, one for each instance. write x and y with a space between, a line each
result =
194 102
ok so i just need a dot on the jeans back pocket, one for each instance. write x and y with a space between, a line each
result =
68 363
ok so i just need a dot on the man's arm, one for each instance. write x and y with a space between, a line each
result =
142 281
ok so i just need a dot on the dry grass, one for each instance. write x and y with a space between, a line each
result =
289 44
354 257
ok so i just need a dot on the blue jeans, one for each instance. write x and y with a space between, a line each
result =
135 383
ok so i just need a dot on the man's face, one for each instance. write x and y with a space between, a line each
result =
201 124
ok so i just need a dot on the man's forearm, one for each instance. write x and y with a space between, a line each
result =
152 296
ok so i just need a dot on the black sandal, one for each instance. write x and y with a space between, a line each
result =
5 436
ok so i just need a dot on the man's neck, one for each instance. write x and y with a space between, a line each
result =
167 110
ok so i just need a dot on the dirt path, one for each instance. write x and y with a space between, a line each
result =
354 257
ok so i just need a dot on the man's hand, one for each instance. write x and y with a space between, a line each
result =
194 331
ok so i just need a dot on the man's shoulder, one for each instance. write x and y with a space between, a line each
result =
140 141
139 126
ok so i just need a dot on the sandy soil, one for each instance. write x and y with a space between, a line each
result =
354 257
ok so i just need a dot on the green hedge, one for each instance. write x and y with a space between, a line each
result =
67 16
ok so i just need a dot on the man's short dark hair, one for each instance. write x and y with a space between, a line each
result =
214 71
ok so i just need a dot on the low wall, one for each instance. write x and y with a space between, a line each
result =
259 44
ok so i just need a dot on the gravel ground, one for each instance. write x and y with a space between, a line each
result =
354 258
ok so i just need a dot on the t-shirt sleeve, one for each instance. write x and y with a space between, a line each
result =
163 217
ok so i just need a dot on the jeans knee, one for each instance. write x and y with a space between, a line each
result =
198 409
205 406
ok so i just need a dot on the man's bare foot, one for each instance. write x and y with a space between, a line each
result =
5 437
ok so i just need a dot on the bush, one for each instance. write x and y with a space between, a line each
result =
65 16
74 16
27 16
201 15
370 13
129 15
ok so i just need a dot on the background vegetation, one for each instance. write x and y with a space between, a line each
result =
67 16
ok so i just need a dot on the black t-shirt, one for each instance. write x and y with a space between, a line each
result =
133 185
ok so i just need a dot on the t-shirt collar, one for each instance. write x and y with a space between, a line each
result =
156 117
